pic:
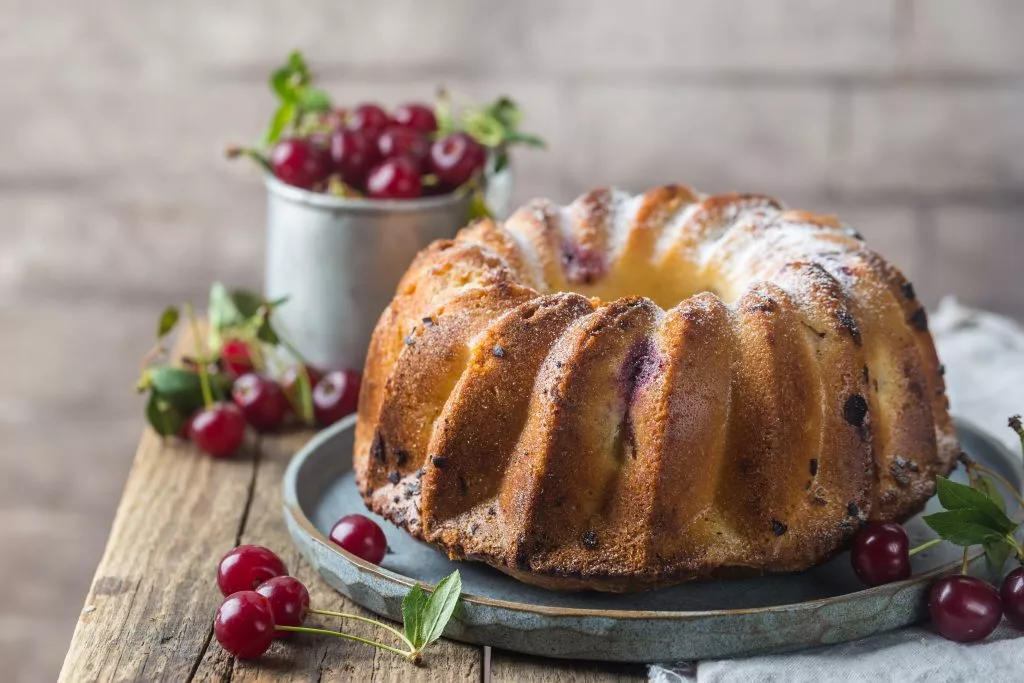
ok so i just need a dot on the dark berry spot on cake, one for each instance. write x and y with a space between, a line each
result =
855 410
589 539
582 265
851 509
814 466
377 450
409 338
779 528
439 461
472 528
919 319
401 457
640 366
908 290
942 370
498 352
394 476
420 472
428 322
847 322
766 305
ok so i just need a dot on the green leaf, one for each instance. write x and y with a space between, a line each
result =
989 488
314 99
233 309
283 117
279 301
526 139
182 388
165 419
507 111
246 303
963 527
412 615
168 319
440 607
955 496
997 552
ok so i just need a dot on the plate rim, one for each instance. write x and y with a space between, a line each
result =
294 510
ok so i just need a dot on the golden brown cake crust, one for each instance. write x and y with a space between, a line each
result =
631 392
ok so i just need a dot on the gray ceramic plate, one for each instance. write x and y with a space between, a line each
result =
693 621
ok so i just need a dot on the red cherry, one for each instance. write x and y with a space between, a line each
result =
456 157
394 179
418 116
964 608
290 382
360 536
236 357
352 155
246 567
402 141
369 119
299 162
261 400
244 624
881 553
289 601
336 396
218 430
1012 595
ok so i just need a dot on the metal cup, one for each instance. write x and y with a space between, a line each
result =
339 261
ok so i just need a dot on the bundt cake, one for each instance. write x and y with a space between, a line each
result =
631 392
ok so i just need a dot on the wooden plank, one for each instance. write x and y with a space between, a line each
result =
512 667
149 612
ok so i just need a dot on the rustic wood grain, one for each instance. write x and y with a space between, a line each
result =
148 615
509 667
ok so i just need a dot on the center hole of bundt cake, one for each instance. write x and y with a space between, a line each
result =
588 272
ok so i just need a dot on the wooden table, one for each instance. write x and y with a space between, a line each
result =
149 613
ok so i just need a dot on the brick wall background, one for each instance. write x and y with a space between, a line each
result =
904 116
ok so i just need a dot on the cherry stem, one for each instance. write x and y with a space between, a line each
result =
963 565
204 378
234 151
342 615
925 546
998 477
347 636
305 399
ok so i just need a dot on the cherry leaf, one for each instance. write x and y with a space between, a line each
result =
997 552
168 319
440 607
955 496
413 607
989 488
165 419
963 527
182 388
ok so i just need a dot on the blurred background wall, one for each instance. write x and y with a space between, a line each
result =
906 117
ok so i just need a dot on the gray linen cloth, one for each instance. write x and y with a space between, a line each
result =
984 358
